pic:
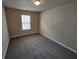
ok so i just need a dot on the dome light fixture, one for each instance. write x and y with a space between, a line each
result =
37 2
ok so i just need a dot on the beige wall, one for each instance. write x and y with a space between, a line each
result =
14 22
5 38
60 24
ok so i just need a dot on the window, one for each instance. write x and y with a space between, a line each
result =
26 22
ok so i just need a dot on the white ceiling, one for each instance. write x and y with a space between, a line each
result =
29 4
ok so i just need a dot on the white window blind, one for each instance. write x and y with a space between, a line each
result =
26 22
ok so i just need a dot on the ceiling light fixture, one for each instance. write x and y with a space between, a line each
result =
37 2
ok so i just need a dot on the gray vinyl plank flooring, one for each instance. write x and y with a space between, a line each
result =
37 47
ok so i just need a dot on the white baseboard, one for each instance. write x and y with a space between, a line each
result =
3 57
60 43
21 35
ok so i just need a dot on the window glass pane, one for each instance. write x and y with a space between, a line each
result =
26 22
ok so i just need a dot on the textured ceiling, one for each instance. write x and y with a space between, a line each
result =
29 4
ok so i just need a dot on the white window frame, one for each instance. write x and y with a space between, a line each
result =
25 26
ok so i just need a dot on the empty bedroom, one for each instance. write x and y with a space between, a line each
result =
39 29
